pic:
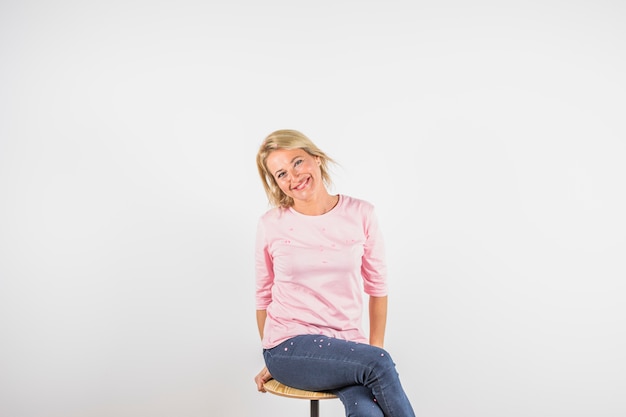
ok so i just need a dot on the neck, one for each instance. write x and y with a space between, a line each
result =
317 207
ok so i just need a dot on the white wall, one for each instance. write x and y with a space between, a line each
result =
491 138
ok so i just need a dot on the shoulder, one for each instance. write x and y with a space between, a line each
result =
353 204
274 214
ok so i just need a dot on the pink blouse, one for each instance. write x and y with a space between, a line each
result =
311 271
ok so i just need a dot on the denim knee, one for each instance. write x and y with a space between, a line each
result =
359 401
381 364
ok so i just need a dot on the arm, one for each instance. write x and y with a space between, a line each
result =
261 315
263 376
378 320
264 277
374 271
264 280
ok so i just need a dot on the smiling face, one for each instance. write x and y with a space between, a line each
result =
297 174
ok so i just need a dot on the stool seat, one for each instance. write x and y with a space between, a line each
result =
277 388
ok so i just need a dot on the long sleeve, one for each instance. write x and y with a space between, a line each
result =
374 267
264 269
311 271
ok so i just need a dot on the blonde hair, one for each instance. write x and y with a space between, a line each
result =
289 140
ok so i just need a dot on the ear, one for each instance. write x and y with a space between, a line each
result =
318 160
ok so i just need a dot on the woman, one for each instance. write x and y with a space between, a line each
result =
315 254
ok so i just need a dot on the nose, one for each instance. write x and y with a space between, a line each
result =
292 174
294 177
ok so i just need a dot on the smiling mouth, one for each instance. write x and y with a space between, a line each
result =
301 185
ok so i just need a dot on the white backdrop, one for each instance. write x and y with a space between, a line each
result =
490 136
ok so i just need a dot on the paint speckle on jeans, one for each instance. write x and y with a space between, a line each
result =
382 354
320 345
286 349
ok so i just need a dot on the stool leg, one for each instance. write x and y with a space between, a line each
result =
315 408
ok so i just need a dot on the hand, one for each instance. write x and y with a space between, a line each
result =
261 378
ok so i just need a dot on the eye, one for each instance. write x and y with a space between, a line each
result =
298 162
280 175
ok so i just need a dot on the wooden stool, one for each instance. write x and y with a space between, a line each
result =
277 388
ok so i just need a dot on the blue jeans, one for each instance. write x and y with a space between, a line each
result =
364 377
